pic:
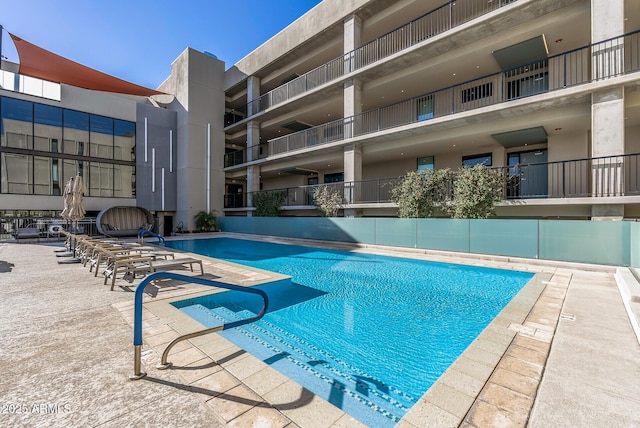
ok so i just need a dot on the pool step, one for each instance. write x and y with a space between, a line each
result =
336 381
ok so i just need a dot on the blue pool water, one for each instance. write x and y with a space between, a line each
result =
368 333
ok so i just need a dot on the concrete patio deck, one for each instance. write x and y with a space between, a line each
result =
562 354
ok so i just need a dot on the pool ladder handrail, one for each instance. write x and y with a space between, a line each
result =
142 232
137 316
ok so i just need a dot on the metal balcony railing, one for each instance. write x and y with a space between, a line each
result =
609 176
9 226
607 59
437 21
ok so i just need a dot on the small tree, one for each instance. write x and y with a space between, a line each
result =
475 191
419 192
327 200
205 221
268 203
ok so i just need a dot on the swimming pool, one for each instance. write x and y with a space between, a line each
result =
368 333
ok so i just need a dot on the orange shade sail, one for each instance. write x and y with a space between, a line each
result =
42 64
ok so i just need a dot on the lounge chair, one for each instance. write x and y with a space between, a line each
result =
110 254
130 267
98 254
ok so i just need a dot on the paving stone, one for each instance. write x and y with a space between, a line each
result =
515 381
487 415
514 403
260 417
214 384
234 402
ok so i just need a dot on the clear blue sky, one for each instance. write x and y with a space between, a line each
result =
137 40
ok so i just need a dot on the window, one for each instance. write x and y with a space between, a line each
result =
17 173
100 137
483 159
100 179
42 176
47 127
17 123
124 145
425 163
477 92
334 178
123 181
425 107
62 143
76 132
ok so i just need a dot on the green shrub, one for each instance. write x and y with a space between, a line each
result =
419 192
205 221
327 200
268 203
475 192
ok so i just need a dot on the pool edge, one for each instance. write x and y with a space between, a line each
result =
504 336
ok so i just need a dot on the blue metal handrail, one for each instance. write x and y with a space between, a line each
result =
137 315
143 232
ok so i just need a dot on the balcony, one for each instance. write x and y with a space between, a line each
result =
603 60
593 178
437 21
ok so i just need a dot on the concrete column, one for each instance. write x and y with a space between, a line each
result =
253 172
352 162
352 97
607 123
253 184
352 107
253 93
607 21
607 139
607 107
352 173
352 33
253 140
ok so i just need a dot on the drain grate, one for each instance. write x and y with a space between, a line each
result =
567 316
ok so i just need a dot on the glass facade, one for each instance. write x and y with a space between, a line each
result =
43 146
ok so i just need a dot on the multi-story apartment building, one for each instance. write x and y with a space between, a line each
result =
358 93
355 94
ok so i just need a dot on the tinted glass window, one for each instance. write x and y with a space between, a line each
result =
47 115
101 138
47 127
100 179
125 140
425 163
17 173
17 123
123 181
17 109
484 159
76 132
76 120
334 178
